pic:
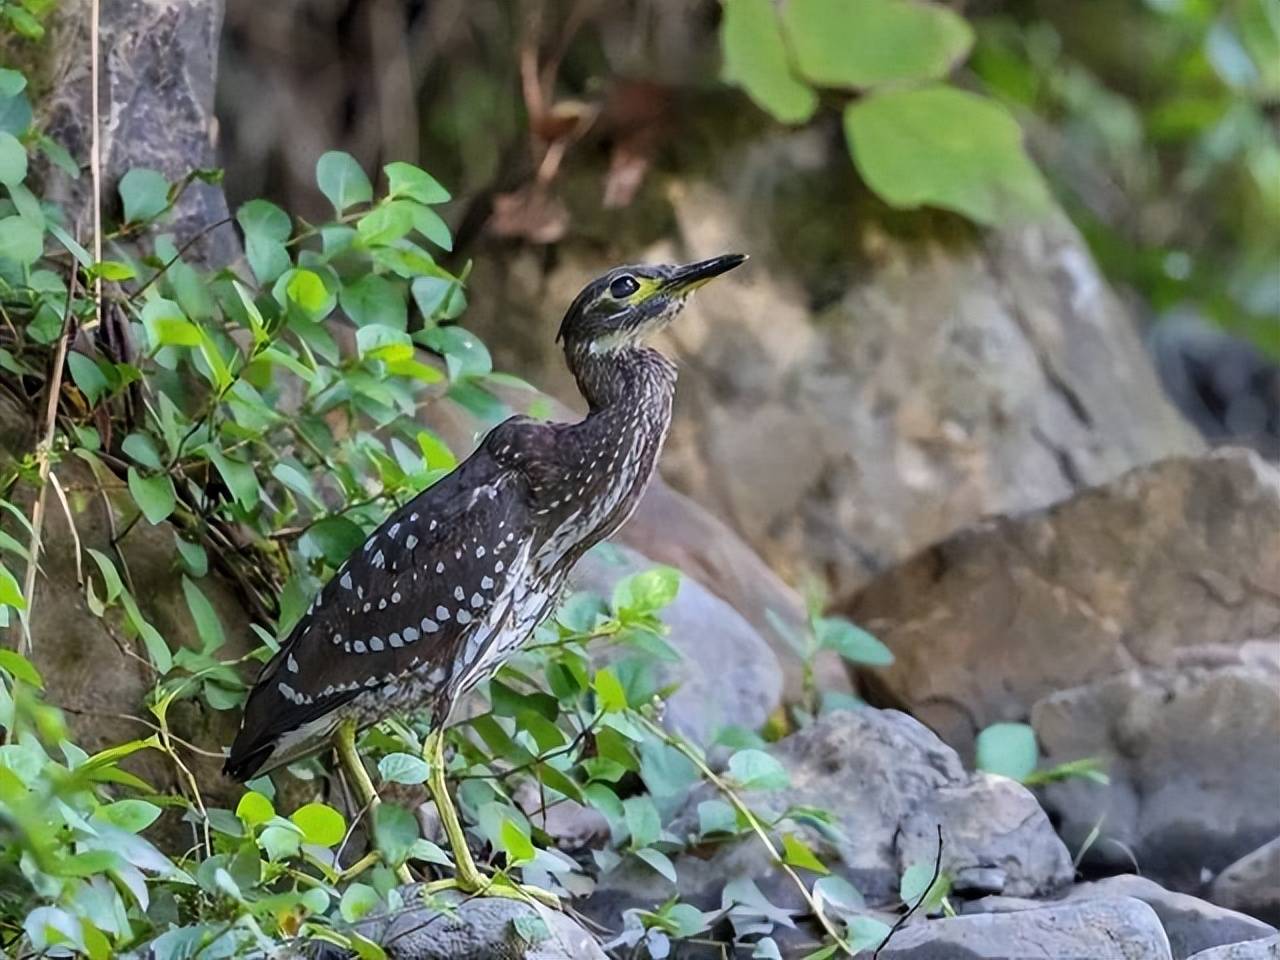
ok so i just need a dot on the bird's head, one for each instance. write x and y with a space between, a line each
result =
629 304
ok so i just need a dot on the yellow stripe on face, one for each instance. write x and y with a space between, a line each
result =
648 287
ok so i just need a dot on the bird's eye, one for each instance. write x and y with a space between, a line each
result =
623 286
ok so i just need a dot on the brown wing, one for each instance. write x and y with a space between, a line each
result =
403 607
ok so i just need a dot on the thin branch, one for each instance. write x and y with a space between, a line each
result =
694 757
937 872
95 153
43 457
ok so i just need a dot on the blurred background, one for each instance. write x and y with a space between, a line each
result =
579 134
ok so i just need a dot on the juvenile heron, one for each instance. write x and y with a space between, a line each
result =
453 582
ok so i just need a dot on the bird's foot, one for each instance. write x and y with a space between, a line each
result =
499 886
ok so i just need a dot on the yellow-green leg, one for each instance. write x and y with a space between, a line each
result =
467 877
344 741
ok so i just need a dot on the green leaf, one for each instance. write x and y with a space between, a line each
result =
320 824
865 43
755 58
385 224
307 290
13 160
12 82
756 770
373 299
944 147
394 832
167 326
357 900
798 854
646 592
208 626
432 226
403 768
1008 749
531 928
266 227
20 241
915 887
88 376
142 448
516 843
609 691
18 666
342 180
336 538
659 861
112 270
145 194
643 822
413 183
866 933
377 342
153 495
15 113
239 477
716 816
254 809
130 814
852 642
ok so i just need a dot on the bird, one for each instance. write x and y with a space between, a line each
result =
455 580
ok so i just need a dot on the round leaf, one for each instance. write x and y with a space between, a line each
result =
320 824
342 180
145 194
756 770
13 160
1008 749
755 58
254 809
403 768
153 495
946 148
864 43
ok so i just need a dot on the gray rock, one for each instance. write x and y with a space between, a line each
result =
1115 929
856 395
1137 573
996 839
728 674
1191 924
1194 760
887 781
478 928
1268 949
1252 884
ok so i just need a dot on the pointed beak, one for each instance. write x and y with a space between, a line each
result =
693 275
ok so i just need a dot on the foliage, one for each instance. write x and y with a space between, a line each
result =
271 446
1010 750
1165 150
915 140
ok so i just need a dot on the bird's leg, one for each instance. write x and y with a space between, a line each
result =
344 741
467 876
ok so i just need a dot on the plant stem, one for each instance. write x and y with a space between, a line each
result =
695 757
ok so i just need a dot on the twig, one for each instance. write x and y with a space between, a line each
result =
95 156
937 871
44 459
178 256
694 757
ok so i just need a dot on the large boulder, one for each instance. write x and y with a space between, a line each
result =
1268 949
858 392
1118 928
1193 755
1191 924
889 784
1252 883
1134 573
727 675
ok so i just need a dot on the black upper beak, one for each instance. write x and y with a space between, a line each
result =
693 275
